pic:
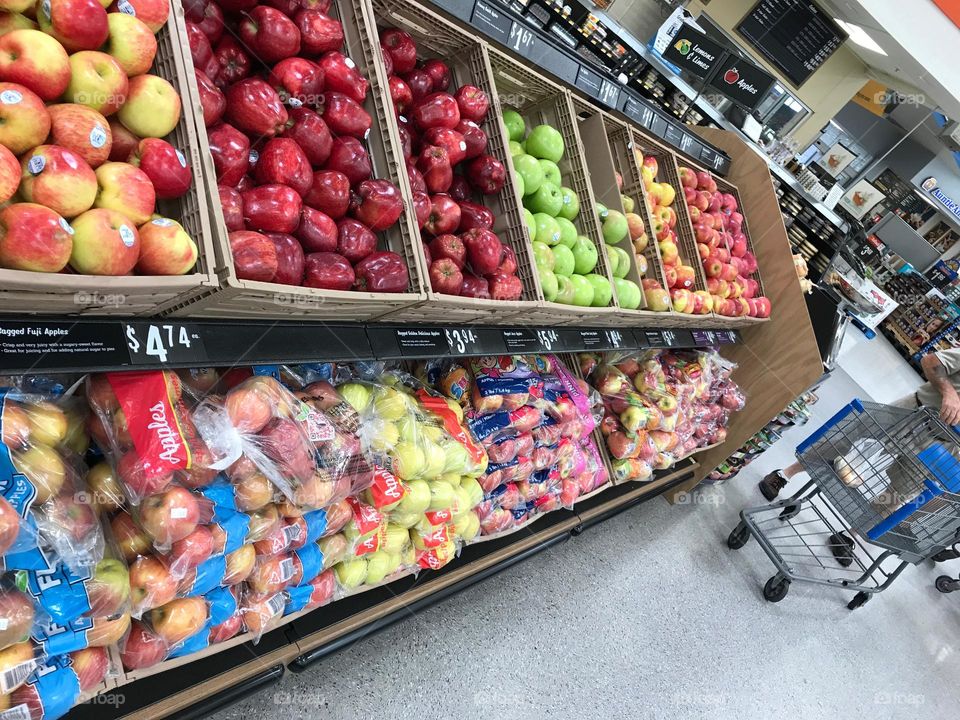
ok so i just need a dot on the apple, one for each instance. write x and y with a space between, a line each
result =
34 237
57 178
142 648
565 290
76 24
342 76
269 34
233 61
474 138
178 619
152 108
165 248
658 300
435 165
473 215
547 199
543 255
18 615
329 193
151 583
584 256
472 102
437 110
90 665
297 80
548 284
348 156
682 300
11 20
282 162
319 33
484 250
602 290
685 277
131 540
669 252
344 115
475 287
444 216
132 43
445 277
165 166
97 81
35 60
254 107
628 294
126 189
545 142
24 121
354 240
420 84
170 515
451 247
486 174
311 133
81 130
328 271
382 271
551 172
401 49
530 170
615 227
271 208
400 94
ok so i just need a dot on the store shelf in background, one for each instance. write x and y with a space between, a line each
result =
81 345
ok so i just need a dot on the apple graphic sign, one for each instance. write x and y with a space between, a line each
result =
731 76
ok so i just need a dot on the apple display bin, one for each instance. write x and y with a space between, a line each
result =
27 293
633 140
542 101
468 62
237 298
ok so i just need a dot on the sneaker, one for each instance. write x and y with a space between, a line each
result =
842 548
772 484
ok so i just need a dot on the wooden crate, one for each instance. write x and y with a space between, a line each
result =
540 100
29 293
467 58
238 298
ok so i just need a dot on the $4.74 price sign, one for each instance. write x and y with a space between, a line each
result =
164 343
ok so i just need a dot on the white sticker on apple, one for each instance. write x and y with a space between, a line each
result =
463 145
179 514
10 97
126 8
253 157
98 136
181 158
36 165
295 102
66 226
162 222
349 63
126 236
45 8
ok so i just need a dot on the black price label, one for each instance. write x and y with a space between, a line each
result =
491 21
422 342
42 345
589 81
673 135
666 338
468 340
521 39
704 338
164 343
609 93
532 340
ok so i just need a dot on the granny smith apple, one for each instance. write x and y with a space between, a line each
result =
521 185
548 283
602 290
515 148
547 231
350 573
584 256
543 255
547 199
628 294
563 260
601 210
356 395
582 291
378 567
623 261
551 172
515 125
628 203
614 261
614 227
416 499
529 169
568 232
571 204
564 290
531 223
545 142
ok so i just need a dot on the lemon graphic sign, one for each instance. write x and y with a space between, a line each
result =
683 46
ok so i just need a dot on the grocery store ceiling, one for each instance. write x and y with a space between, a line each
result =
918 40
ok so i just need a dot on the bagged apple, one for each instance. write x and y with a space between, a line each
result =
101 590
52 638
142 647
311 594
56 685
223 607
262 614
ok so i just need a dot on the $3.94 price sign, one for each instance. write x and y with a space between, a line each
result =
461 340
163 343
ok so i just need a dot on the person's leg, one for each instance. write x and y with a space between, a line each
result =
774 482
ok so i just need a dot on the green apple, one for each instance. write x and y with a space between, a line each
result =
547 230
356 395
531 223
462 503
549 285
542 255
628 294
571 204
408 519
568 232
521 186
614 260
415 501
551 172
435 459
395 538
547 199
623 261
614 227
457 459
565 290
515 125
582 291
378 567
601 210
441 495
545 142
474 490
350 573
628 203
530 171
602 290
466 526
584 256
563 260
391 404
515 148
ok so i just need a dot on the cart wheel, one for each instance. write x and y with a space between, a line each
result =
776 588
946 584
738 537
859 600
790 511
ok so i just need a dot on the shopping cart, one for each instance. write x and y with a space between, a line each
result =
884 493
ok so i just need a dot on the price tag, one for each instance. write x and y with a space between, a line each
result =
589 81
521 39
674 135
522 340
615 339
422 342
666 338
647 116
685 142
549 340
164 343
609 93
704 338
491 21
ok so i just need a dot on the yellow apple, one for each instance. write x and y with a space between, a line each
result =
105 242
165 249
131 43
127 190
152 108
408 460
97 81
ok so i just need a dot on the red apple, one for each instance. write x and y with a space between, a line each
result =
230 149
36 61
290 259
348 156
341 75
377 204
400 94
439 73
200 48
505 287
382 271
317 231
406 141
169 516
152 583
328 271
166 167
297 80
319 33
124 141
473 215
484 250
82 130
270 34
426 252
444 215
329 193
282 162
212 101
24 120
460 189
343 115
420 84
473 103
311 134
234 62
255 108
434 164
437 110
421 208
450 247
153 12
226 630
445 277
76 24
210 22
401 48
142 648
232 205
474 137
354 240
90 665
274 208
508 266
254 256
486 174
475 287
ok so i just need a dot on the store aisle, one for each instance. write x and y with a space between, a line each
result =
649 615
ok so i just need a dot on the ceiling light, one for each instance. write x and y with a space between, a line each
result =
860 36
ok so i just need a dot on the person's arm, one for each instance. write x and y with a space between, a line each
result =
938 376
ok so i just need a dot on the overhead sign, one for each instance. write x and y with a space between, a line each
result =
952 206
741 81
694 52
873 96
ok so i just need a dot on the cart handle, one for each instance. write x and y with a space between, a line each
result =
854 404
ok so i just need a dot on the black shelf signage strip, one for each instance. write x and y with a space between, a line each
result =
65 345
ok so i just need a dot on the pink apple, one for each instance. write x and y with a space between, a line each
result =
24 120
153 12
77 24
169 516
35 60
82 130
58 178
105 242
34 237
165 249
